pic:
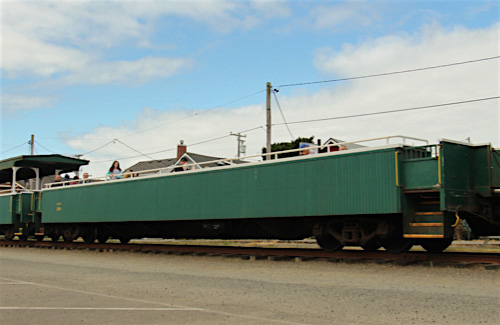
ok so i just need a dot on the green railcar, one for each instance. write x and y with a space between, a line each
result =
392 196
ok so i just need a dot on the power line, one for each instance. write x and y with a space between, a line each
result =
83 154
172 149
282 115
389 73
298 84
391 111
38 143
162 125
317 120
126 145
22 144
196 114
225 136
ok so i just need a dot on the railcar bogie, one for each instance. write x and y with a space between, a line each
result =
435 245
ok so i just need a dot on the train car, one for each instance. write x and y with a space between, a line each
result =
19 206
391 195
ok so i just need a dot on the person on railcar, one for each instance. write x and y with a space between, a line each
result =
307 149
58 181
85 178
130 173
114 172
183 166
75 181
338 148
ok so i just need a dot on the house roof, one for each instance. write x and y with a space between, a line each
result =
152 164
191 156
197 158
348 146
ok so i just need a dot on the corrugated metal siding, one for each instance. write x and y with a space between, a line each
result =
420 174
5 215
358 183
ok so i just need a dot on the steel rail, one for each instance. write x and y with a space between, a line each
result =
411 257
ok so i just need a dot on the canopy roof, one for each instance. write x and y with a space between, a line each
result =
47 164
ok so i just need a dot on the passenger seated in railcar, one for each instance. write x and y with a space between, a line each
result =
85 178
307 149
75 181
58 181
338 148
130 173
183 166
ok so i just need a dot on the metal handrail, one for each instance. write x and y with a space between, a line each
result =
231 161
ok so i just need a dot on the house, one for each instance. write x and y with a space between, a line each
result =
167 165
333 148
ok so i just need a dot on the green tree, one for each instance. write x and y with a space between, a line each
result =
282 146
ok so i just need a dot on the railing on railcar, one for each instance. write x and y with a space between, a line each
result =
420 152
231 162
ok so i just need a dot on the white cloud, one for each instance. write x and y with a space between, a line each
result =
49 38
128 72
24 56
350 13
11 104
433 45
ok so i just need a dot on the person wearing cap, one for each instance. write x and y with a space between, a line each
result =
305 147
183 165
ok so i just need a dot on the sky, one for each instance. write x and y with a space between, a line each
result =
128 80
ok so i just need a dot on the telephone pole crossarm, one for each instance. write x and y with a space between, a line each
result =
241 146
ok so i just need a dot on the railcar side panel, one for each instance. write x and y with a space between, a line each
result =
7 205
323 185
466 171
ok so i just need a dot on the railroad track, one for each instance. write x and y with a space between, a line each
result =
490 261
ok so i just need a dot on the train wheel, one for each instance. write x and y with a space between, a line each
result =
23 237
39 237
89 238
124 240
9 234
398 245
371 246
55 237
435 245
69 239
328 242
69 235
102 238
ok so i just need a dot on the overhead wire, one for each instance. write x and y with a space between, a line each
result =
126 145
282 115
172 149
310 83
388 73
176 121
38 143
83 154
193 115
316 120
392 111
22 144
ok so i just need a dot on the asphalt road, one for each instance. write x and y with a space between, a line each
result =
39 286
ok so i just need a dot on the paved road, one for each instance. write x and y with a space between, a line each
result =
39 286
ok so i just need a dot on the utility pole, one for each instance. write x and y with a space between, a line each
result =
268 119
241 146
32 143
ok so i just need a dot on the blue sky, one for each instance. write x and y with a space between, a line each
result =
79 74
